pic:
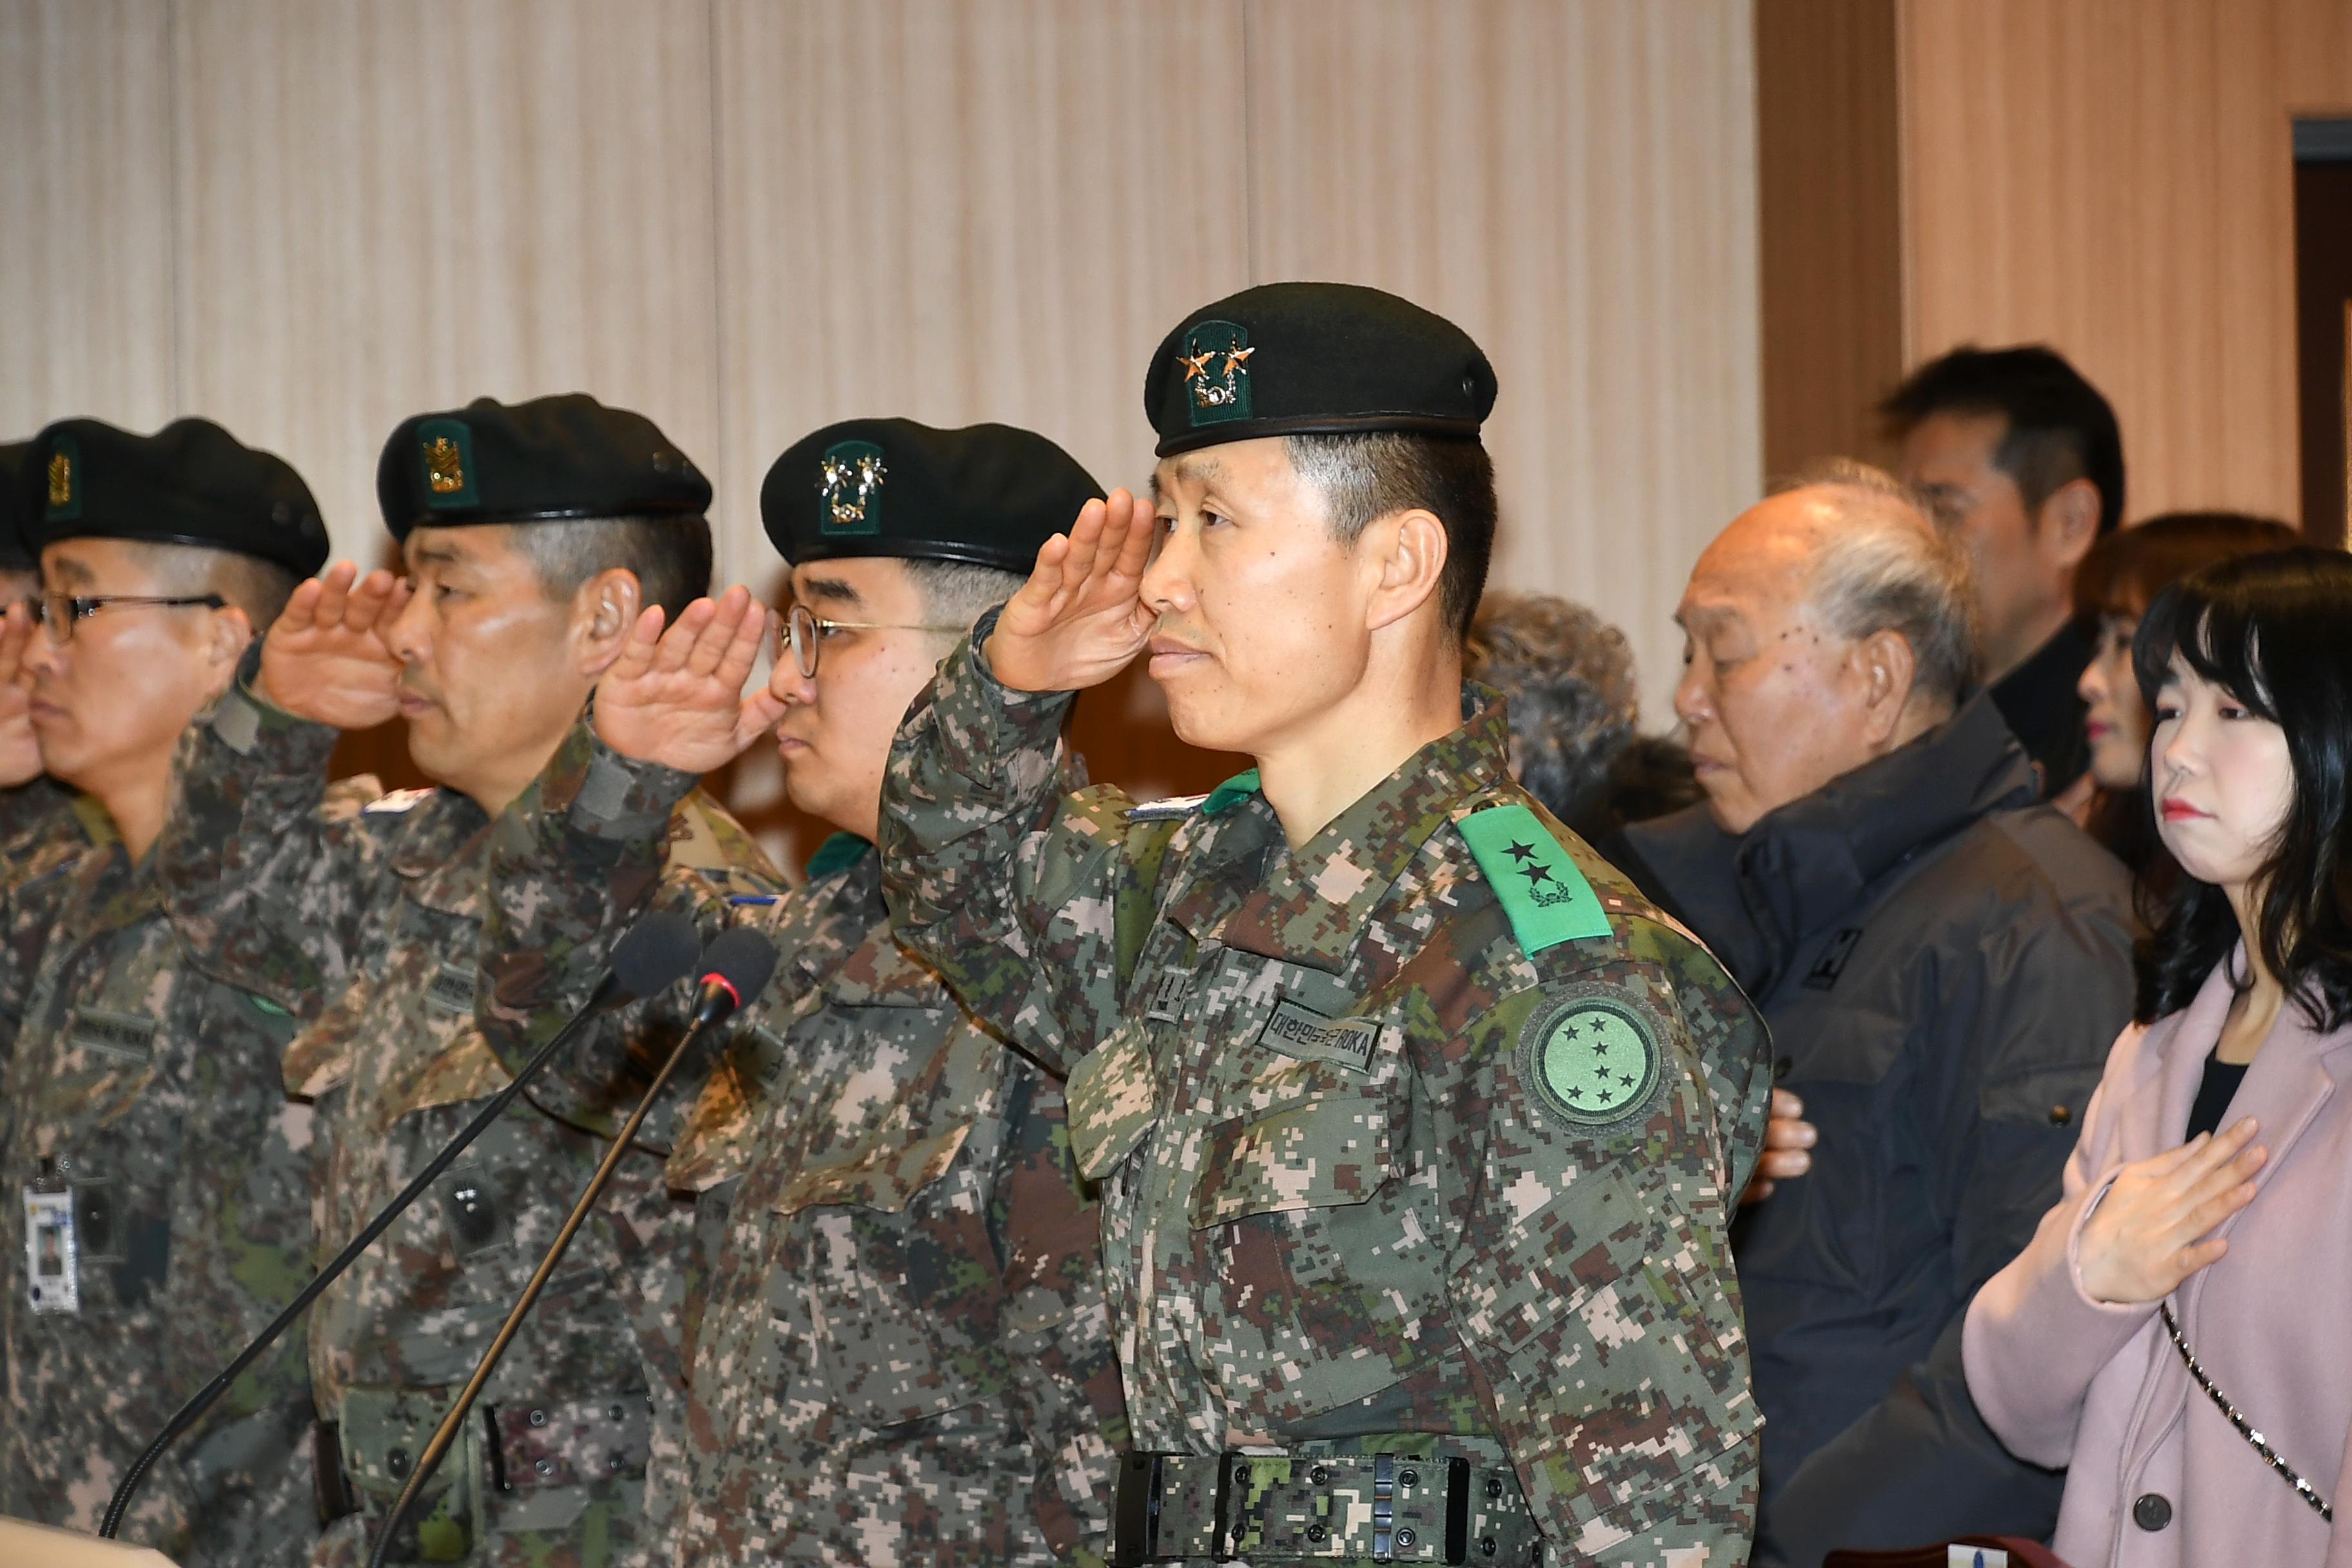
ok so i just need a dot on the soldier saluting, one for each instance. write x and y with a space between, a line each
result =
1419 1129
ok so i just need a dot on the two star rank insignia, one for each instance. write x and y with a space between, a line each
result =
1538 883
1215 362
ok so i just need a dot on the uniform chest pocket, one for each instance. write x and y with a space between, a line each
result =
882 1254
1292 1233
1327 1154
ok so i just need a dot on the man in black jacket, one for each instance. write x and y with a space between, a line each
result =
1944 964
2020 461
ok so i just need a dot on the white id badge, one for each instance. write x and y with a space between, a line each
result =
52 1272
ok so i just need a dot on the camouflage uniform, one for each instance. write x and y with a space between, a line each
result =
1355 1216
901 1354
37 815
144 1093
553 1473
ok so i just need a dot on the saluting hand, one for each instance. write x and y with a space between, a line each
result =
1080 618
328 658
676 696
16 688
2141 1241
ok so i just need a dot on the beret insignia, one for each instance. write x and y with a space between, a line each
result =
1216 360
443 469
1590 1057
65 499
444 446
849 478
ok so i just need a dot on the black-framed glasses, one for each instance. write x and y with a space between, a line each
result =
57 613
804 630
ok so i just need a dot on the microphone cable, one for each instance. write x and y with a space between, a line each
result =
739 962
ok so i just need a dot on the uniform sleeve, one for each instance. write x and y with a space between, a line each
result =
1057 1337
1590 1275
265 883
1031 904
577 860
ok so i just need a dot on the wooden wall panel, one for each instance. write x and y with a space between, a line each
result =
85 213
1828 193
962 213
1576 186
399 204
2115 177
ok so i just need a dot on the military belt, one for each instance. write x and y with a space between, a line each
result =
1439 1507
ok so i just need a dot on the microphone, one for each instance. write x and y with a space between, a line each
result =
651 956
736 968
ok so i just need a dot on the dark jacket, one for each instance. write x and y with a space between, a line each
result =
1944 964
2043 709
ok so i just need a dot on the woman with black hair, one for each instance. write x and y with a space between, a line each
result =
2179 1333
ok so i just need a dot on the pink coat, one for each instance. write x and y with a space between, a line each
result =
2066 1381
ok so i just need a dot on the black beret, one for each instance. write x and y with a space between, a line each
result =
1297 359
986 494
190 482
16 552
551 459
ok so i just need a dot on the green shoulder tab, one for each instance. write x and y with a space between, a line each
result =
1232 792
1546 896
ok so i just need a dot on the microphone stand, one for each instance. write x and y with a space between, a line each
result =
610 992
447 1433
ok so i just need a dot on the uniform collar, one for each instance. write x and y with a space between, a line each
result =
441 857
1309 905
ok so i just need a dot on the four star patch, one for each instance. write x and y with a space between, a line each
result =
1591 1058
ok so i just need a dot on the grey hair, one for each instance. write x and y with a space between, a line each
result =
669 556
1884 565
1567 676
957 593
260 588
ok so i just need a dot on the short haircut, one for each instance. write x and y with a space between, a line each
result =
1885 567
957 593
670 556
1367 475
2268 630
260 588
2058 427
2125 571
1567 676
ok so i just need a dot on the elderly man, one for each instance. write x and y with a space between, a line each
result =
1943 962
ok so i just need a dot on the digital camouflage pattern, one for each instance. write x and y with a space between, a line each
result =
146 1086
900 1352
1346 1195
37 818
396 895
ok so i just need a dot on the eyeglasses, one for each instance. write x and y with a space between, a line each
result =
804 630
57 613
